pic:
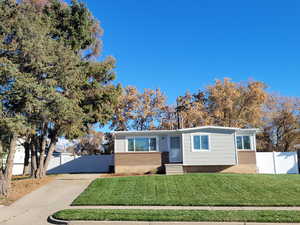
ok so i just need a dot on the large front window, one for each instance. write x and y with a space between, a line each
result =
243 142
142 144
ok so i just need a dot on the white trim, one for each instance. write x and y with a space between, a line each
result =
210 127
200 150
115 145
186 129
182 146
235 149
134 137
254 141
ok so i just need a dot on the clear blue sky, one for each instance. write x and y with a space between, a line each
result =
179 45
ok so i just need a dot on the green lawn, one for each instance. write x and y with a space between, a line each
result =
178 215
194 189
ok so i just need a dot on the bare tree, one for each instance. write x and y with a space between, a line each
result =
90 144
281 130
139 111
236 105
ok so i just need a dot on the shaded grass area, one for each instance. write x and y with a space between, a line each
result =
178 215
194 189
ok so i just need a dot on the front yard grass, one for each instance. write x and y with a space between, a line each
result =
178 215
194 189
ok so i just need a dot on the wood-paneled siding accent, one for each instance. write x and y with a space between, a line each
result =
247 157
243 168
139 162
222 149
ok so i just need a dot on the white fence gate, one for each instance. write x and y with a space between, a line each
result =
277 162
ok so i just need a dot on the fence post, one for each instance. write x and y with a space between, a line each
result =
274 162
297 158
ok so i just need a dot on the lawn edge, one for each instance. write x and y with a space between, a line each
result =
256 221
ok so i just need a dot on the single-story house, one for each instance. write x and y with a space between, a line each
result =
199 149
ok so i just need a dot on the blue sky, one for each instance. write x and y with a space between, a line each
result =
184 45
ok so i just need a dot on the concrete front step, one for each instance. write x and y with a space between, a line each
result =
172 169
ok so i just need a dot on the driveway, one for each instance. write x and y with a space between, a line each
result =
34 208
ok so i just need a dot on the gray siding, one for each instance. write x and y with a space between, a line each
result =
222 148
120 143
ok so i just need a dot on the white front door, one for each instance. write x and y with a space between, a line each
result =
175 154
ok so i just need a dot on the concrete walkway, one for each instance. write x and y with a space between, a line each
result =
187 207
34 208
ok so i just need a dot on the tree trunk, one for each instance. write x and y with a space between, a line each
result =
5 177
39 173
26 168
33 154
3 185
10 158
44 160
49 155
1 155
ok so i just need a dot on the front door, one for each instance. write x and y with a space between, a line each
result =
175 154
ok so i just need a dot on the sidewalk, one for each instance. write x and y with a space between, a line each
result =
34 208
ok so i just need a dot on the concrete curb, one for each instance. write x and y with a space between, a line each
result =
91 222
52 220
213 208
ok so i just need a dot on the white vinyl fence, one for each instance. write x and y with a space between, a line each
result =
18 163
68 163
277 162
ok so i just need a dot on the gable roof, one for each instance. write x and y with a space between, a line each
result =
184 129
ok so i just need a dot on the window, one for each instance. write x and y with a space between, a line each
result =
141 144
243 142
130 144
175 142
200 142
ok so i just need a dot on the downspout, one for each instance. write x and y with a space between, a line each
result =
182 147
235 148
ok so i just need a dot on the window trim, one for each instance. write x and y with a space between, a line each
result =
244 149
200 150
134 137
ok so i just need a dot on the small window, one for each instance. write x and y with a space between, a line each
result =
175 142
204 142
239 142
152 144
243 142
130 145
200 142
141 144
